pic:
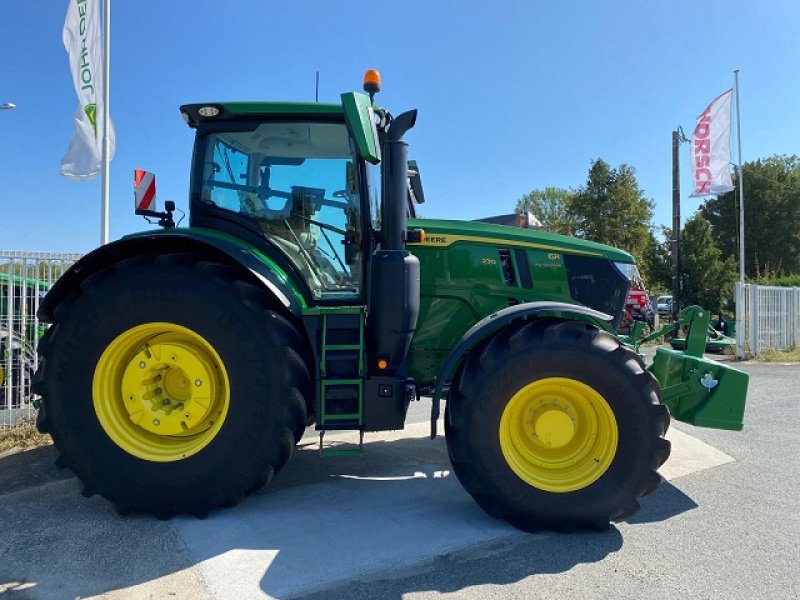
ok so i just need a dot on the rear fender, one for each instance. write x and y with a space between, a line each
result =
507 317
259 269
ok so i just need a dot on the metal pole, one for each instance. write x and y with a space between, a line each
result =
740 299
676 224
106 99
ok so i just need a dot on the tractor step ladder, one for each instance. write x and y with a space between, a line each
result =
342 377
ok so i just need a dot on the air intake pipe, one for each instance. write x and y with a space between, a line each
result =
394 272
394 182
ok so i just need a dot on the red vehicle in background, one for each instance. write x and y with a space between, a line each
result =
637 305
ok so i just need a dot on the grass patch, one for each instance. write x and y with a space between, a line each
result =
772 355
21 436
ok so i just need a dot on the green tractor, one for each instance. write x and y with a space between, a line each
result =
184 365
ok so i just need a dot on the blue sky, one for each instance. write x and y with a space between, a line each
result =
511 95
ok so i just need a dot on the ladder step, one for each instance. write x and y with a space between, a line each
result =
338 450
327 452
341 369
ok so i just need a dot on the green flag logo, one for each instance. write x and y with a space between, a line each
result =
91 112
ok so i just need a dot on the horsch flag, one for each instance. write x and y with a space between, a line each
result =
83 159
711 148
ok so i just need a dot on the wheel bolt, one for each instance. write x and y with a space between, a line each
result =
156 422
198 383
158 391
142 365
165 402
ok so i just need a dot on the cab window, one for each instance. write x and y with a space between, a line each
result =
299 183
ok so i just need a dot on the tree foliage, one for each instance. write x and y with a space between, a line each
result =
771 219
611 208
552 207
707 278
656 262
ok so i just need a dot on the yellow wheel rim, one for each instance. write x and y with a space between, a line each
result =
160 392
558 434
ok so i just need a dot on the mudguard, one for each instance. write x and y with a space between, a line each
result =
263 270
494 322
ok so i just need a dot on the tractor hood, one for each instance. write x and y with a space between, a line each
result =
443 233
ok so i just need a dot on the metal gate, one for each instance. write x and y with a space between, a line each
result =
25 277
771 317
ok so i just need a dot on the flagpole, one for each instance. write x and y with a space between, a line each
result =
740 299
106 99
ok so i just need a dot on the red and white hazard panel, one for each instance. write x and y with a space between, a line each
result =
144 189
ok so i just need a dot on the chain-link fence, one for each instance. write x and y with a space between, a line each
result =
771 317
25 277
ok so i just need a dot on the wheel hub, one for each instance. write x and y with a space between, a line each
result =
160 391
558 434
168 387
553 428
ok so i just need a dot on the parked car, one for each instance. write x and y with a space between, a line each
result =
664 305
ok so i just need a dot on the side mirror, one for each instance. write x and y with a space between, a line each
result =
415 183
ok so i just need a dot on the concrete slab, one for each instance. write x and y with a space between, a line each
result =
356 523
690 455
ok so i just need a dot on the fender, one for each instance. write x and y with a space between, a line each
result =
506 317
264 272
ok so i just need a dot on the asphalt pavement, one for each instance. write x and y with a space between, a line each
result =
394 523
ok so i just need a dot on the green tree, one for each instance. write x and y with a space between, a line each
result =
656 262
611 208
552 207
707 278
771 219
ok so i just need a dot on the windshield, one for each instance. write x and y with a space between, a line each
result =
299 183
632 273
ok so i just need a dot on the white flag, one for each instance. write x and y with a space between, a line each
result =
711 148
83 159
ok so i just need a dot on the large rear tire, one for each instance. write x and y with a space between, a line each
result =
171 385
556 425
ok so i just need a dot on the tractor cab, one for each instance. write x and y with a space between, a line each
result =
296 184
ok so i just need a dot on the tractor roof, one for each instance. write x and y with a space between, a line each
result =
239 110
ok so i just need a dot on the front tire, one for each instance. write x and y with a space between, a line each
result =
171 385
556 425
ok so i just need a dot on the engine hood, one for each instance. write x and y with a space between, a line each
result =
444 232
